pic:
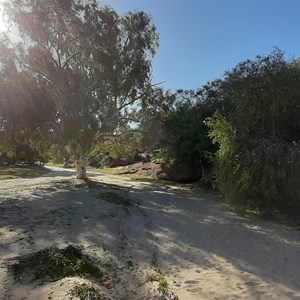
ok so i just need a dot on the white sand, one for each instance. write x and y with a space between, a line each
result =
202 248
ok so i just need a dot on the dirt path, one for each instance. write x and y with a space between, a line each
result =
202 248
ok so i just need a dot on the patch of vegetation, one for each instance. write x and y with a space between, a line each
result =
257 132
57 263
81 185
85 292
295 224
186 146
114 151
156 276
291 220
86 184
163 286
21 172
115 198
130 264
144 178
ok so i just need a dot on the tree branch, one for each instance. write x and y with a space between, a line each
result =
138 97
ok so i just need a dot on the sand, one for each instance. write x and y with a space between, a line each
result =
203 249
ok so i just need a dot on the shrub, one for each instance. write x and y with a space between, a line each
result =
186 145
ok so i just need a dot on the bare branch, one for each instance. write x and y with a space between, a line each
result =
138 97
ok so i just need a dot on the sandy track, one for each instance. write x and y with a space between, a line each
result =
203 249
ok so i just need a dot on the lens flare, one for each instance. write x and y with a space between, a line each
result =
3 25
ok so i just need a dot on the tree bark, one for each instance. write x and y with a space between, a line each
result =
81 168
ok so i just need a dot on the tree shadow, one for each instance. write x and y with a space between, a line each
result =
197 230
165 226
60 214
21 172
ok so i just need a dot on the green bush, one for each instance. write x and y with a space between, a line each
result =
257 165
262 175
85 292
57 153
57 263
113 152
186 146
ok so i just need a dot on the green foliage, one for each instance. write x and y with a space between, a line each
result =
30 152
57 263
85 292
154 111
257 165
84 266
185 142
222 133
156 276
163 286
88 67
114 151
262 97
57 153
118 149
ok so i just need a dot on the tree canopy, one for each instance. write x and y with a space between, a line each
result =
86 61
257 129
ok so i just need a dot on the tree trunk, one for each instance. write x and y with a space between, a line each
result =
81 168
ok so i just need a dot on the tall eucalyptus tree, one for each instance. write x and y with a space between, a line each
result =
91 62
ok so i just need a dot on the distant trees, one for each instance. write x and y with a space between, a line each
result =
144 134
154 111
90 64
115 151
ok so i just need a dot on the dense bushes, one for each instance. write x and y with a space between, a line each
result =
257 165
114 152
261 175
185 143
28 153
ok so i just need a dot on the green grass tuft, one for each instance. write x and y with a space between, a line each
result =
85 292
57 264
156 276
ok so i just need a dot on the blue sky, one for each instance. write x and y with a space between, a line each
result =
200 39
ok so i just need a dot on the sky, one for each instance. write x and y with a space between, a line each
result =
200 39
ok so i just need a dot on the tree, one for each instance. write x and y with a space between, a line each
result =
185 142
263 96
153 112
93 64
21 109
258 133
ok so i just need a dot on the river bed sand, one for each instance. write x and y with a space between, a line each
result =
203 249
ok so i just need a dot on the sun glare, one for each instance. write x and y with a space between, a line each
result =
3 26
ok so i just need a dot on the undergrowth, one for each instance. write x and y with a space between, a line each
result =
156 276
57 264
85 292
